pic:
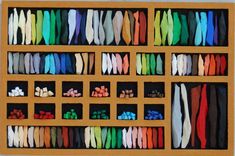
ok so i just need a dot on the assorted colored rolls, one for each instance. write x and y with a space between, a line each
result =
77 27
190 27
85 137
115 64
149 64
199 64
199 115
51 63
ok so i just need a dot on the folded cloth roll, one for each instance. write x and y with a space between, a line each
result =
30 136
154 137
21 136
93 142
104 135
210 28
117 26
108 27
150 137
72 24
47 137
64 27
59 137
39 26
184 31
96 26
126 29
114 138
143 27
58 26
157 34
16 58
71 137
164 27
21 64
101 28
28 28
10 63
15 26
192 27
134 136
10 29
65 136
89 29
87 136
137 28
33 27
52 27
78 24
222 29
201 120
98 137
195 100
41 137
124 141
176 28
132 24
46 27
170 27
119 138
203 27
10 136
53 136
109 138
83 27
140 143
36 62
36 137
198 33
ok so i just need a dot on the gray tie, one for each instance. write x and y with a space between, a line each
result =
96 27
108 27
89 29
101 29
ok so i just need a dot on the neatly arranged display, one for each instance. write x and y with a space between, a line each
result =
77 26
207 118
199 64
190 27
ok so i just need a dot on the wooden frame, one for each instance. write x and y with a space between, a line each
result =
113 100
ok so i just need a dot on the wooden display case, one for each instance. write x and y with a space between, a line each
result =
113 100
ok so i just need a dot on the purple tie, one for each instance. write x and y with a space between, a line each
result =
77 31
216 31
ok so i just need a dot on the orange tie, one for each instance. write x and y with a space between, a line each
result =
47 137
150 138
212 65
137 28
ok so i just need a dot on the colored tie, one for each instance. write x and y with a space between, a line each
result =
65 136
79 63
217 58
154 137
210 29
119 63
198 33
93 142
52 31
16 60
176 118
85 61
134 136
152 63
52 64
101 29
143 64
124 137
119 138
143 27
189 64
10 63
59 137
57 63
184 31
137 28
98 137
104 135
104 63
58 26
222 30
170 27
207 64
21 136
150 137
164 28
30 136
77 138
147 64
117 26
89 29
200 66
47 137
10 29
108 27
36 137
96 26
195 64
144 136
109 137
41 137
159 66
177 28
185 62
114 64
140 137
223 65
186 123
125 64
192 27
114 141
212 65
132 24
203 27
53 136
212 117
216 31
64 27
62 63
15 26
46 27
72 24
83 27
201 120
174 64
78 23
42 63
195 99
160 138
126 32
157 36
91 62
33 26
180 64
21 64
47 63
39 26
28 28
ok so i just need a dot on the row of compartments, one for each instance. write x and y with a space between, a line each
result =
75 111
118 63
83 26
75 89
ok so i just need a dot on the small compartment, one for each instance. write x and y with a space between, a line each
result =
17 110
149 64
71 111
153 111
127 111
115 63
100 111
154 90
72 89
44 89
99 89
44 111
17 88
127 89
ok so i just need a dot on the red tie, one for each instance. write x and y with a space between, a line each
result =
201 120
160 137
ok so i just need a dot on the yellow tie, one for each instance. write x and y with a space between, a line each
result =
126 33
157 40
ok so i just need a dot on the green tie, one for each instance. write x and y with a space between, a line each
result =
170 27
108 141
58 26
143 64
119 138
184 31
164 27
33 25
147 64
152 64
157 40
52 35
176 28
114 137
98 137
159 65
39 26
46 27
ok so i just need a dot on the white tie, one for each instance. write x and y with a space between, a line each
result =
10 29
185 64
79 63
138 64
117 26
21 136
174 64
109 63
10 136
114 64
101 29
124 137
89 29
72 23
96 27
104 63
15 26
87 137
22 25
28 28
180 64
16 137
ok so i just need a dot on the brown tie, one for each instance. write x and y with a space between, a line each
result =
195 61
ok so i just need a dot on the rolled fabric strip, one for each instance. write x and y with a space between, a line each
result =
176 28
147 64
160 138
203 27
104 132
108 27
164 28
85 62
170 27
109 63
53 136
180 64
210 28
57 63
72 24
77 138
152 63
25 136
91 62
71 137
217 58
39 26
185 64
89 29
47 64
143 64
157 34
31 65
46 27
104 63
140 137
159 66
27 61
114 64
52 64
223 65
36 62
189 64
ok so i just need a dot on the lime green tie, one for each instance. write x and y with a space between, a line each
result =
170 27
39 26
108 141
164 27
176 28
143 64
33 26
152 64
147 64
157 40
